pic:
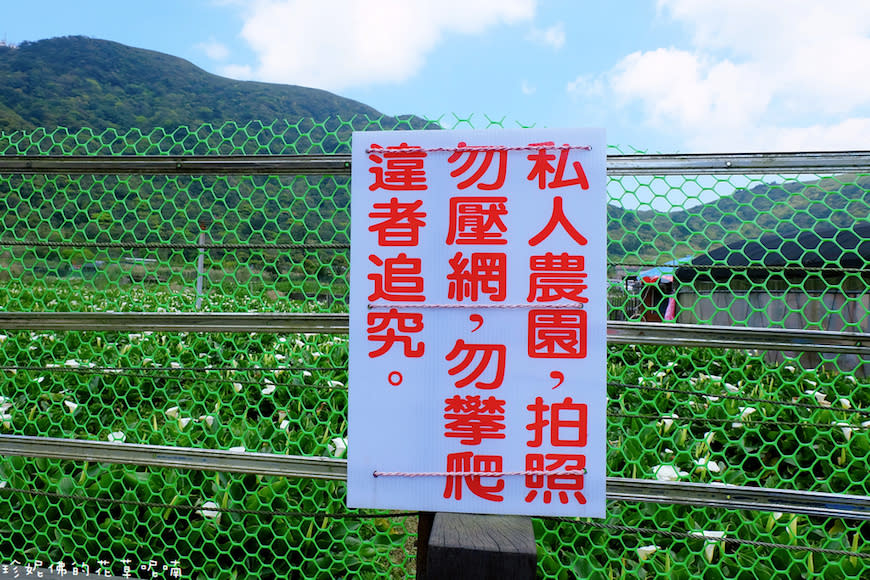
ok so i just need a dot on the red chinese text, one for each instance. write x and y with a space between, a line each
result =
401 280
399 168
562 483
477 220
542 167
472 419
558 218
483 362
466 462
399 223
394 327
557 333
566 422
557 277
482 168
481 273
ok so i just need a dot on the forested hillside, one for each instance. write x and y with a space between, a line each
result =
77 82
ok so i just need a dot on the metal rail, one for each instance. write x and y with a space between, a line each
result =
740 497
698 335
618 489
618 332
285 322
174 457
340 164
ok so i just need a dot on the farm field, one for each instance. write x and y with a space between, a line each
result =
694 415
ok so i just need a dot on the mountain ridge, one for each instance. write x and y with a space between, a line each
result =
77 82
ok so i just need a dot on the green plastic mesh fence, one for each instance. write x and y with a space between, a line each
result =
781 251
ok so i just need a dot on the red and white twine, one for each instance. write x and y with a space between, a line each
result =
475 473
477 148
536 305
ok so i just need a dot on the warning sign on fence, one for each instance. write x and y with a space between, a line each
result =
477 321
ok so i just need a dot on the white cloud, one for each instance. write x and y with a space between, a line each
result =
214 49
554 36
333 45
758 75
528 89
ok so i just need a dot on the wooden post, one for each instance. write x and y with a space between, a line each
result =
466 546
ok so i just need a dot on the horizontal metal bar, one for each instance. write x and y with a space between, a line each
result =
698 335
174 457
285 322
175 165
657 164
622 489
618 332
740 497
739 163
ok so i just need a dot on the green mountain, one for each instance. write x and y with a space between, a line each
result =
784 208
76 82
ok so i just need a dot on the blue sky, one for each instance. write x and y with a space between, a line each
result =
658 75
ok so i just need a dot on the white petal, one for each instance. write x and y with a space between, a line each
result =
117 437
72 406
644 552
666 473
338 446
208 510
172 412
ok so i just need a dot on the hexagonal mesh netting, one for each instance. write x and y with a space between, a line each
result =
787 252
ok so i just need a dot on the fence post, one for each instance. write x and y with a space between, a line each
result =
472 546
200 265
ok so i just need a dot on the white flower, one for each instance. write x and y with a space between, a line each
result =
240 449
182 423
667 423
710 543
338 446
207 419
269 388
72 363
306 373
39 379
847 431
117 437
705 463
172 412
284 424
644 552
237 387
335 384
71 406
668 473
846 403
208 510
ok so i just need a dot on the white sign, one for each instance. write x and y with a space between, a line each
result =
477 322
